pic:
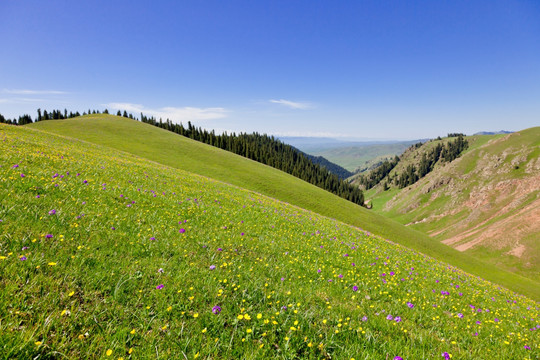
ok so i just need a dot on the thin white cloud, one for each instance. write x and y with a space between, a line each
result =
33 92
175 114
292 104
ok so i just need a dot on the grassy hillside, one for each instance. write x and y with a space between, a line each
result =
173 150
485 203
107 255
355 158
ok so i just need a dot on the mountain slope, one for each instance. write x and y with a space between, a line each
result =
105 255
176 151
330 166
485 203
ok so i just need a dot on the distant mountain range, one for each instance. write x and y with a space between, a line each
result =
493 132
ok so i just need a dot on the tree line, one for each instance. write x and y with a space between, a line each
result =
269 151
376 175
444 153
261 148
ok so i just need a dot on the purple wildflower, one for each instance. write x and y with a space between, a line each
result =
212 267
446 355
398 358
410 305
526 347
22 175
49 236
364 318
52 212
160 270
397 319
160 286
15 166
355 288
219 249
24 248
460 315
216 309
22 258
389 317
181 231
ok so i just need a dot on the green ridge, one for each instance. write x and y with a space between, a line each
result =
506 158
176 151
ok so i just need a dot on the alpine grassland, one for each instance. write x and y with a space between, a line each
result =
170 149
485 203
104 254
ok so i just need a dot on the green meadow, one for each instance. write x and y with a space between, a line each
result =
104 254
176 151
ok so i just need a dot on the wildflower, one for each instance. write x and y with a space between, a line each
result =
446 355
397 318
196 315
22 175
160 270
410 305
48 236
216 309
398 358
389 317
364 318
212 267
22 258
460 315
52 212
181 231
109 352
160 286
355 288
526 347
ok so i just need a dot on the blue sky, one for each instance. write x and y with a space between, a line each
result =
348 69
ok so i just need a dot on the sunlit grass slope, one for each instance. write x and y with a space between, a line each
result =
486 202
173 150
107 255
